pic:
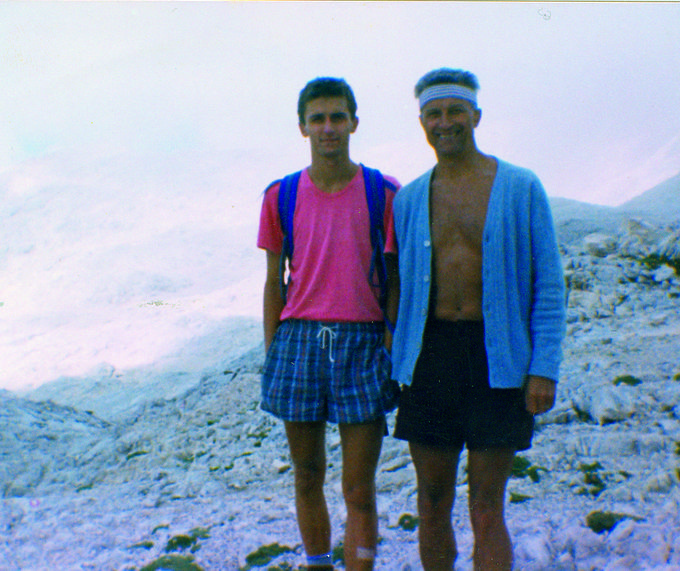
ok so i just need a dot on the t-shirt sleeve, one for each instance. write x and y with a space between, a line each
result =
270 235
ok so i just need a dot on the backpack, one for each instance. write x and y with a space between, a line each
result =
375 185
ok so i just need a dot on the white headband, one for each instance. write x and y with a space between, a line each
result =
444 90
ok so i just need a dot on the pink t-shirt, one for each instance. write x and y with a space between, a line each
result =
332 256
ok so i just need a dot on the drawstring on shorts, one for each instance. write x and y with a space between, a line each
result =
326 333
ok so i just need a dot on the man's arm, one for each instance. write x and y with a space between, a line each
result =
548 309
393 292
272 300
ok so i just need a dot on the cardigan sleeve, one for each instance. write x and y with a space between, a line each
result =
548 308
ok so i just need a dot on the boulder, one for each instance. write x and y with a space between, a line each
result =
600 245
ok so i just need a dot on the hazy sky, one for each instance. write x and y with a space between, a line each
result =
585 94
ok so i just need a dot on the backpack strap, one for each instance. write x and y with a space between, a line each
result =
287 195
375 185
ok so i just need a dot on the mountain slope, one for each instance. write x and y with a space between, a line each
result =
661 203
574 219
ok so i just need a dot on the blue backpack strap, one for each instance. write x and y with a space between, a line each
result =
375 185
287 195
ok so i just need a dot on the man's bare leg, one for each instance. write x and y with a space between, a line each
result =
361 445
488 473
307 442
436 470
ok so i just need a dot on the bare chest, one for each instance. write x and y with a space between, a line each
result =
458 213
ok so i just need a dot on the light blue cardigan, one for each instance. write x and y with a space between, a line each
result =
523 294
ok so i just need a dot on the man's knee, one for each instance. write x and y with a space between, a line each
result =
359 495
486 514
309 477
435 500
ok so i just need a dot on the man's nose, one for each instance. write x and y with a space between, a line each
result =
446 120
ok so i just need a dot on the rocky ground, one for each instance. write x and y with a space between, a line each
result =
203 480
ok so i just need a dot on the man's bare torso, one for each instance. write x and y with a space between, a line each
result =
458 206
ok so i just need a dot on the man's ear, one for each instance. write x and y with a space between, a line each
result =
477 116
303 129
355 121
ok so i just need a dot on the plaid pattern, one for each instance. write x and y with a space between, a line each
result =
336 372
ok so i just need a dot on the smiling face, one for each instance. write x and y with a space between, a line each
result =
449 125
328 124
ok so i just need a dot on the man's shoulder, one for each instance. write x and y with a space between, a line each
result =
515 174
415 187
391 182
276 184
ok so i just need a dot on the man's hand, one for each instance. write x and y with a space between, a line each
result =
540 394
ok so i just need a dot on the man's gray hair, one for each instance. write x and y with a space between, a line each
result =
446 75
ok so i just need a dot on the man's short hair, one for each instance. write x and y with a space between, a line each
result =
326 87
446 75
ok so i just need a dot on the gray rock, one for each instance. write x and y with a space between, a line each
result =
600 245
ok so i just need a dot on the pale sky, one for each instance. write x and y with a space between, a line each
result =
585 94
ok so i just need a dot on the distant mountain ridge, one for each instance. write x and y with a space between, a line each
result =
659 205
661 202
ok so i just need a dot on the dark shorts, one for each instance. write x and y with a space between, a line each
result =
336 372
450 403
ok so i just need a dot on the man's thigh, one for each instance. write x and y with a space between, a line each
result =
307 443
436 472
488 473
361 445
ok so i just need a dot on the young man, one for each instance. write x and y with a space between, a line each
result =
480 321
325 341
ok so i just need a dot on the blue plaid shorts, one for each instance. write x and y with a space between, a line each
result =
336 372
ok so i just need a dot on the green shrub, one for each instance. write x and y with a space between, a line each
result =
187 541
200 533
582 415
180 542
521 468
600 521
516 498
655 261
594 482
408 522
338 555
173 563
628 380
265 554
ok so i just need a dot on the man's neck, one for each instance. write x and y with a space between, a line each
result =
332 174
462 164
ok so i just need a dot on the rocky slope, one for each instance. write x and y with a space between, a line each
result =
204 478
171 465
